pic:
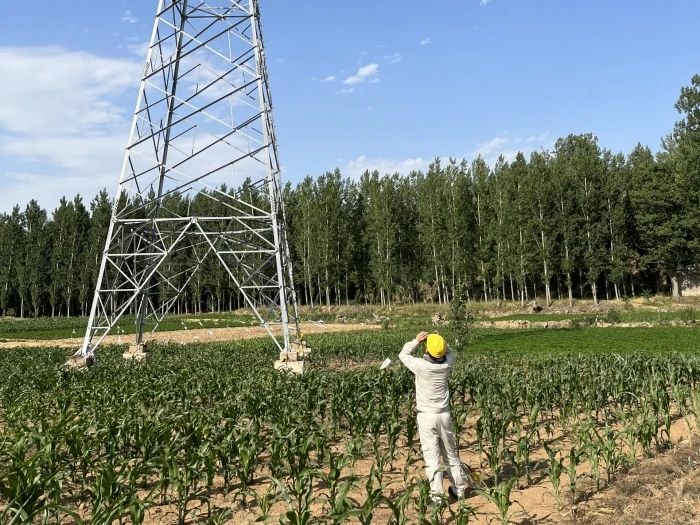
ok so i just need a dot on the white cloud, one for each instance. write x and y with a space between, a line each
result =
139 50
396 57
62 125
345 91
364 73
426 41
129 18
484 2
329 78
486 149
74 153
50 90
489 150
508 147
23 187
355 168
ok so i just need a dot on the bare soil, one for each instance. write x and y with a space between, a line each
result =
193 335
587 306
525 324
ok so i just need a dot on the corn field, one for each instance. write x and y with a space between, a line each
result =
211 434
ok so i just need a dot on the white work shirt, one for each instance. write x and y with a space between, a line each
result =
432 389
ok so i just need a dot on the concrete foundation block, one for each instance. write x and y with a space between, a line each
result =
289 356
295 367
79 363
300 348
136 352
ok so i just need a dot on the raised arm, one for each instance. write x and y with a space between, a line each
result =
405 356
450 356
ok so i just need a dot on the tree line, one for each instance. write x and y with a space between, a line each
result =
575 221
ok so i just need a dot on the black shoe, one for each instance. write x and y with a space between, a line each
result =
453 494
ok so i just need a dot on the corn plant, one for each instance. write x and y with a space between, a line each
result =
399 505
265 500
462 514
372 496
499 495
574 460
555 468
298 493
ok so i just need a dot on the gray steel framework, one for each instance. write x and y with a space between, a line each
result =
200 182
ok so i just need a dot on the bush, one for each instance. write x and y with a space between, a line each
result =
583 322
612 316
627 304
688 315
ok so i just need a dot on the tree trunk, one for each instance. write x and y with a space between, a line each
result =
512 291
445 294
594 291
676 287
437 277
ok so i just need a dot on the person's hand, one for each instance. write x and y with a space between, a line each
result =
422 336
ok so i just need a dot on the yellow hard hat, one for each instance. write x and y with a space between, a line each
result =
435 346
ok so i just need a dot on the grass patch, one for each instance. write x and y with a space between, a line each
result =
687 315
47 328
609 340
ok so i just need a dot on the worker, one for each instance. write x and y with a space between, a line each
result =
435 426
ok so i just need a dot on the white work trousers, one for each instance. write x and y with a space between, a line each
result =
437 440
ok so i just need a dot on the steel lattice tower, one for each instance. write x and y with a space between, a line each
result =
200 182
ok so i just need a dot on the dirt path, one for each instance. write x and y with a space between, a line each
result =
520 324
193 335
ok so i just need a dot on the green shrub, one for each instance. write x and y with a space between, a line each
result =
612 316
688 315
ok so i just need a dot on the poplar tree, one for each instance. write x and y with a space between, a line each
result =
431 227
480 173
100 215
36 256
539 199
11 257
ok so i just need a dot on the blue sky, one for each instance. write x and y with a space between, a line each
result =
360 85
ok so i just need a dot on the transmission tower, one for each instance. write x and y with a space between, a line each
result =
200 182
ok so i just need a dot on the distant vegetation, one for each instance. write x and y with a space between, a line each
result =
577 221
